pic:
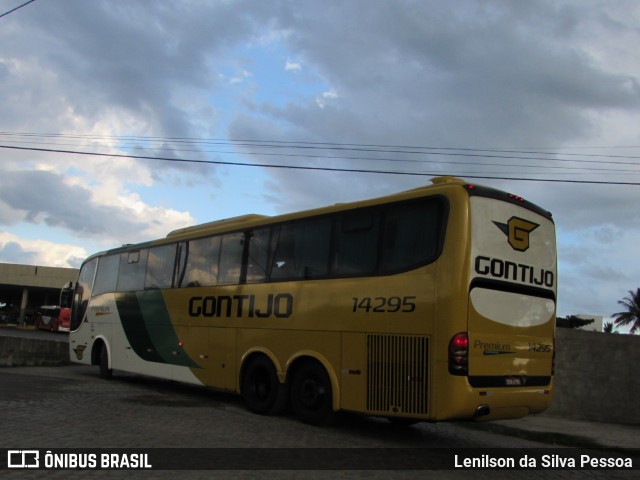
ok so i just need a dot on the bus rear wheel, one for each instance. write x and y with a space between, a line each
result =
311 394
261 389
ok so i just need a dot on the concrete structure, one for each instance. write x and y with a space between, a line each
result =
25 288
596 376
28 352
596 326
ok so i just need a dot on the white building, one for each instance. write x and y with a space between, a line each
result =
596 326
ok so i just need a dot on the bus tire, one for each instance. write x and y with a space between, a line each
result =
311 394
261 388
103 362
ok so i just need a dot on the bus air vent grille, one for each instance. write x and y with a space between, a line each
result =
397 381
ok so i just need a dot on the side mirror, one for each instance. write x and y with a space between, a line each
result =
66 295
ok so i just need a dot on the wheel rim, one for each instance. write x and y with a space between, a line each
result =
260 385
312 393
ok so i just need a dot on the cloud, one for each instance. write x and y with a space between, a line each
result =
241 77
45 197
597 268
85 64
144 77
290 66
427 74
39 252
513 76
325 97
31 195
12 252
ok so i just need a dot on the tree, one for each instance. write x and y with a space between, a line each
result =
631 316
572 321
608 328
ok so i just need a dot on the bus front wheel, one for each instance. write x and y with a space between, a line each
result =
105 371
311 394
261 389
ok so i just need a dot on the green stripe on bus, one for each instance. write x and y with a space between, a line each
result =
148 328
160 329
135 328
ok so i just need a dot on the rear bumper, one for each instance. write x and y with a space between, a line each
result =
457 399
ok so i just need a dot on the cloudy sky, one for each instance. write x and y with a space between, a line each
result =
545 90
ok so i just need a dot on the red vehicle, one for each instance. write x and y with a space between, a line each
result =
56 318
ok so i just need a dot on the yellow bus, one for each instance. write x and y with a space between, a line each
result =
436 303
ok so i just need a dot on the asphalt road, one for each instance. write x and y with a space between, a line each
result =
71 407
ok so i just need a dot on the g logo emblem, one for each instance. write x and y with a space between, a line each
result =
517 231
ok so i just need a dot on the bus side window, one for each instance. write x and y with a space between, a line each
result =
301 250
411 235
107 276
357 238
160 266
231 259
258 258
200 259
181 264
133 266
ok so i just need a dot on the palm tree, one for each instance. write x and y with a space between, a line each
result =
608 328
632 315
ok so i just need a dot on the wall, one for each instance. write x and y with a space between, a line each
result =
33 276
24 287
24 351
597 376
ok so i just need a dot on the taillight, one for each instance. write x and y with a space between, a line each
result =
459 354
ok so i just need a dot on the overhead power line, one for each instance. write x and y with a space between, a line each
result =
310 168
16 8
384 159
543 153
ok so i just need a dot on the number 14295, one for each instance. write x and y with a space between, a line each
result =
384 304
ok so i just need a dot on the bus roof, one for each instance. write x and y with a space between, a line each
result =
230 223
256 220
